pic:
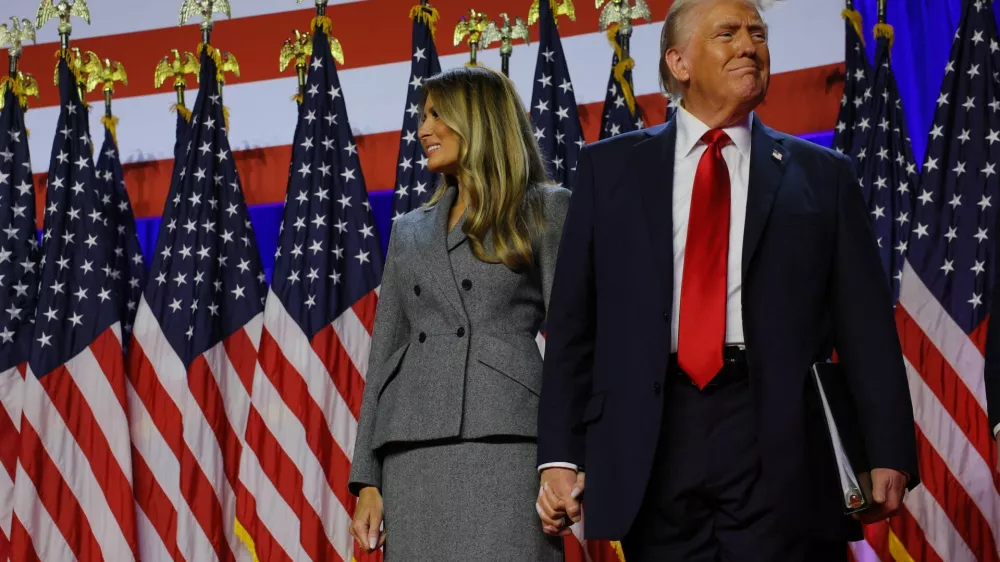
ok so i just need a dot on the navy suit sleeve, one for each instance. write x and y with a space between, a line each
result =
570 337
866 339
992 370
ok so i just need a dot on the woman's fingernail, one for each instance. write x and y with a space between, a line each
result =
372 541
575 492
538 508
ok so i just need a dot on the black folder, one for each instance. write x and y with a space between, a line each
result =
845 435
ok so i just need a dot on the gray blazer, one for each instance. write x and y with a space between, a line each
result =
453 349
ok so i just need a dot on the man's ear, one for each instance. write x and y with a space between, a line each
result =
678 65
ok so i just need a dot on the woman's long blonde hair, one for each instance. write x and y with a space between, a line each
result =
500 165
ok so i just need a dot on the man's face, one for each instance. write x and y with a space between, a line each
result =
726 61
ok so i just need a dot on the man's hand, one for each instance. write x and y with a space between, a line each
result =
559 503
888 487
368 520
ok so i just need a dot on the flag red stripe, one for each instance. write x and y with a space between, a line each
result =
8 445
909 533
93 443
295 394
55 496
344 374
210 398
965 515
21 548
365 308
204 504
255 41
877 537
155 504
944 382
107 350
283 473
160 405
264 171
264 544
240 351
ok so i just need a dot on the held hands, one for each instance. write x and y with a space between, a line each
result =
368 520
888 487
559 504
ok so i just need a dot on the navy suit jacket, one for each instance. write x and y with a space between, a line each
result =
812 282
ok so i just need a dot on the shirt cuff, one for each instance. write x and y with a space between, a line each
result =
568 465
996 429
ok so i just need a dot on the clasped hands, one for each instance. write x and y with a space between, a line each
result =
560 501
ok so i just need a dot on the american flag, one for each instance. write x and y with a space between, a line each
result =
315 340
888 171
950 267
621 112
19 271
193 351
128 270
853 121
73 489
414 182
553 102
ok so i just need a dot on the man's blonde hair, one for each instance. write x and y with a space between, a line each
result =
677 29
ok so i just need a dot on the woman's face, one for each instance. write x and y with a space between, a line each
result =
439 141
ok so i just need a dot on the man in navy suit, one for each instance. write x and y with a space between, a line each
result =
706 264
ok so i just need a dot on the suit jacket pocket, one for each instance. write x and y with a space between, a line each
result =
391 368
516 358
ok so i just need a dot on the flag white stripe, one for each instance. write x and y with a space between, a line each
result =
100 397
10 394
74 469
941 329
963 461
47 541
151 547
355 340
172 376
236 401
291 436
300 355
937 527
276 515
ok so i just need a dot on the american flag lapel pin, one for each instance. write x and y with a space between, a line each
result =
776 155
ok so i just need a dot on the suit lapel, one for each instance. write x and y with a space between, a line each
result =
433 242
652 167
768 159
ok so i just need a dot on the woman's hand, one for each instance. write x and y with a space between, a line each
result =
367 524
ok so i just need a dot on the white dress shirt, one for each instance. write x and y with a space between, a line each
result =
687 153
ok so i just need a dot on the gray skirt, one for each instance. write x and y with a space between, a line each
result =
464 501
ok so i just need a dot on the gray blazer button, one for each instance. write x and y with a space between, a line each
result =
422 337
461 332
467 285
416 290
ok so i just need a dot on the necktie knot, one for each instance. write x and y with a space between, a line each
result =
714 137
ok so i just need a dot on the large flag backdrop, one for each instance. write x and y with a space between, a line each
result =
807 58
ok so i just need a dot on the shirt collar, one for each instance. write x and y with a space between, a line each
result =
690 130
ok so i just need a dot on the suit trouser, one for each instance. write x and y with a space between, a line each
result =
704 501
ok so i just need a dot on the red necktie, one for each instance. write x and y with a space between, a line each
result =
702 325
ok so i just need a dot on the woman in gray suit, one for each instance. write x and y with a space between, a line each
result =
445 452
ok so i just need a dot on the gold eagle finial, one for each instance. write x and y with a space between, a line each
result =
504 33
619 12
563 9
